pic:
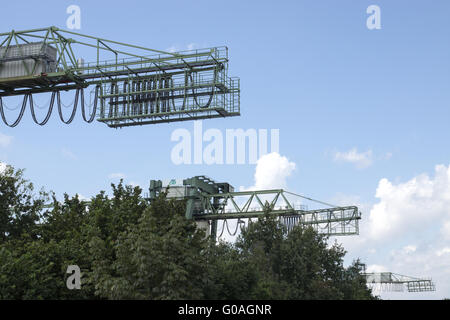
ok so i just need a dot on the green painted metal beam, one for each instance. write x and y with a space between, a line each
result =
186 77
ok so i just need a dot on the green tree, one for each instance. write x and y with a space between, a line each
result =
37 248
19 206
260 243
229 275
298 264
127 248
160 257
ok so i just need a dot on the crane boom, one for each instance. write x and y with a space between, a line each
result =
210 201
133 85
388 281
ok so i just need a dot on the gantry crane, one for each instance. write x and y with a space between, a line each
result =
134 85
209 201
388 281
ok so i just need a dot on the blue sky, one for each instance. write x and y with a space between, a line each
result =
353 106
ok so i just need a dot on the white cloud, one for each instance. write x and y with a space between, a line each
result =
410 206
117 175
5 140
272 171
426 262
443 251
395 231
414 210
360 159
376 268
83 198
409 249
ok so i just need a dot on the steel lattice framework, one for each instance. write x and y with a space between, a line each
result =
210 201
133 85
334 221
388 281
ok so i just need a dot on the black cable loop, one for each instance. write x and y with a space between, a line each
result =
19 118
235 231
240 224
223 228
49 113
83 108
58 99
210 96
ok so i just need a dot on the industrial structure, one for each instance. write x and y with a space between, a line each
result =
132 85
393 282
388 281
209 201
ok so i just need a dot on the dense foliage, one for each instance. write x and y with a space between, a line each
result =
129 249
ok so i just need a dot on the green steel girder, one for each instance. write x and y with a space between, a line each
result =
396 282
331 221
162 61
187 77
222 204
205 202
